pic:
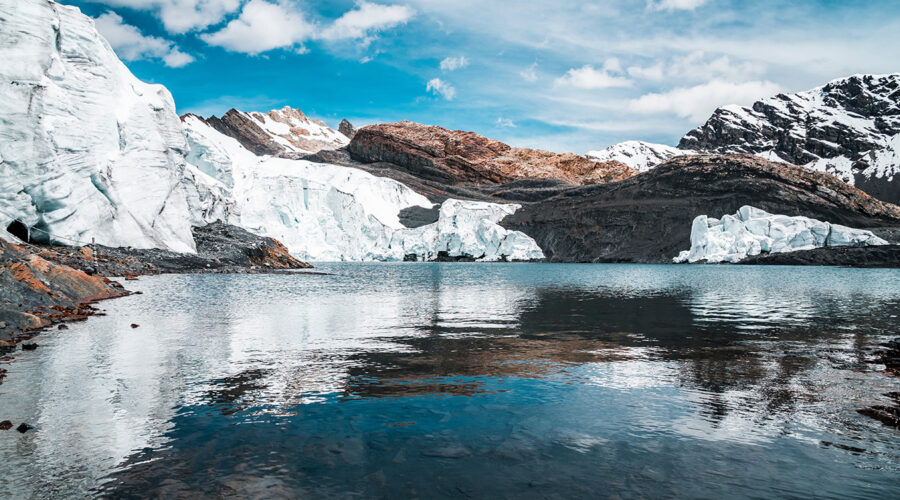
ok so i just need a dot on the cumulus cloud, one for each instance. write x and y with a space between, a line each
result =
671 5
454 63
505 123
365 19
439 87
182 16
699 101
263 26
132 45
529 74
589 78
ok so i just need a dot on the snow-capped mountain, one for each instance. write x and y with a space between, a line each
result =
639 155
86 149
848 128
328 212
285 131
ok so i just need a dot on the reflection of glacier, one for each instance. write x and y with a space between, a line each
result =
102 390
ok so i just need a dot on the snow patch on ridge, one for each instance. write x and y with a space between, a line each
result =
752 231
639 155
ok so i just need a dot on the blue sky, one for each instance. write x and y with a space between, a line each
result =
564 76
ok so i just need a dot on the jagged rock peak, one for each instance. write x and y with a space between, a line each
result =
456 156
846 128
347 128
278 132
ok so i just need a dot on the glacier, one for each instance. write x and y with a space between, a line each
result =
325 212
90 153
752 231
87 151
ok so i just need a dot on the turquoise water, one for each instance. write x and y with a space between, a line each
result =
465 380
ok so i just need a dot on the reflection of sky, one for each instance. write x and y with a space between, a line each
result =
265 344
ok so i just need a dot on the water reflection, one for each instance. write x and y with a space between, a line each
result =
455 380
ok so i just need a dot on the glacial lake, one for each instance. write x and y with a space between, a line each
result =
464 380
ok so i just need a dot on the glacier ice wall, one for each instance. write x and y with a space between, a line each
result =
752 231
325 212
86 149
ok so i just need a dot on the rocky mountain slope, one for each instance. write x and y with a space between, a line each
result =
848 128
457 157
278 132
639 155
87 151
647 218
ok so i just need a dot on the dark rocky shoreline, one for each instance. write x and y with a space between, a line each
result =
45 285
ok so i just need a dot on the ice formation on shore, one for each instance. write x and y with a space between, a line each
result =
752 231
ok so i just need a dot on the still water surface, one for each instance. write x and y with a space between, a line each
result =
465 380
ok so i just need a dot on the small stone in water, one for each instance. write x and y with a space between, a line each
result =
23 428
5 425
29 347
135 325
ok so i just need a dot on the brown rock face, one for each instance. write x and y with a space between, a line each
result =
458 157
647 218
35 291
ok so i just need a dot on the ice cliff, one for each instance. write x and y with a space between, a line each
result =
87 151
752 231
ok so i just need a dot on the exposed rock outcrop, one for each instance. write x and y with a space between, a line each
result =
282 131
35 291
220 248
647 218
877 256
347 128
848 128
752 231
457 157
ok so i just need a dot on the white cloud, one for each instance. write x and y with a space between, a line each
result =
181 16
263 26
654 72
439 87
366 19
671 5
454 63
699 101
505 123
529 74
589 78
132 45
698 66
